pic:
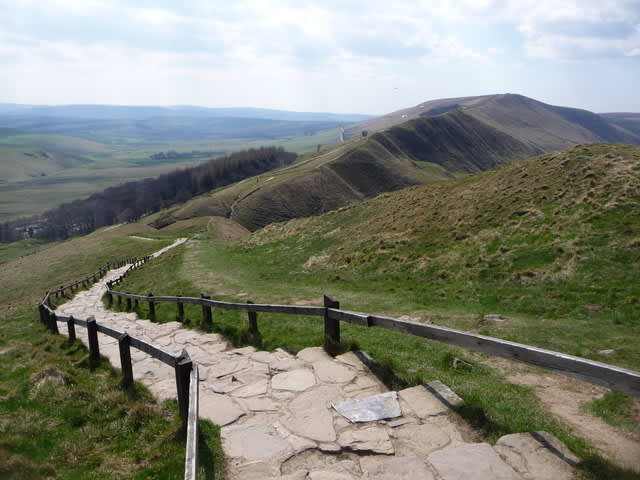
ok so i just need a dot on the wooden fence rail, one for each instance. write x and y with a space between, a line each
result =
186 372
611 376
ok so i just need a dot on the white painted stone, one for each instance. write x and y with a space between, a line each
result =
330 371
295 380
476 460
220 409
369 439
402 468
537 455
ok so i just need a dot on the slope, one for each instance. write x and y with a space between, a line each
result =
436 140
544 126
553 241
419 151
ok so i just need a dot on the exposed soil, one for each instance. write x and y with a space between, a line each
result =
564 397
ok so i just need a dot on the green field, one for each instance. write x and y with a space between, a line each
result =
40 171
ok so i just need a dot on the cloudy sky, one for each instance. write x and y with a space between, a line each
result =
370 56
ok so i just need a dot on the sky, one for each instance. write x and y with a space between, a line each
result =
346 56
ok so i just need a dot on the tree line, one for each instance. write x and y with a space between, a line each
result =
132 200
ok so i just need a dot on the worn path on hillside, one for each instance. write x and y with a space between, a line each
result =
278 420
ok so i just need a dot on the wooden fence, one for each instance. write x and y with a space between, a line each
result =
186 372
611 376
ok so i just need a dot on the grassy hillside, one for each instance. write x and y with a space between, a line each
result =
422 150
433 141
543 126
551 241
550 244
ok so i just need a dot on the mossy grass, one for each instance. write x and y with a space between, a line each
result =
63 416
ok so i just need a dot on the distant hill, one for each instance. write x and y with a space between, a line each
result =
436 140
543 126
124 112
628 121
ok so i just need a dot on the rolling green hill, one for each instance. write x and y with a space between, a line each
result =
553 237
543 126
434 141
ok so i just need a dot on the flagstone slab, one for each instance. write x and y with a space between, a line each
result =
373 439
477 460
252 389
259 404
402 468
254 442
313 354
419 440
330 371
537 455
220 409
310 415
295 380
422 402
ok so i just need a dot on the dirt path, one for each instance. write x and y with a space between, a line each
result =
279 418
564 397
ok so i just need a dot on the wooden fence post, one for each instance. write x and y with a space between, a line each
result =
207 321
53 323
152 307
43 313
109 297
71 329
253 320
119 301
128 304
92 333
180 314
183 372
331 327
124 343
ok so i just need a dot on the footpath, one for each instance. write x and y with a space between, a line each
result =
280 419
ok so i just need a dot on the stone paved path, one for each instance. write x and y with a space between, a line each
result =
275 409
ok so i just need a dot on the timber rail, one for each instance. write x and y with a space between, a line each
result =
186 371
611 376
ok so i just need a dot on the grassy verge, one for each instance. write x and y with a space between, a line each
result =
492 405
616 409
63 417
